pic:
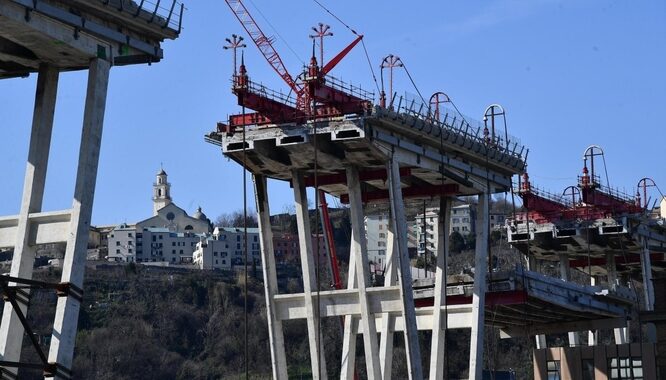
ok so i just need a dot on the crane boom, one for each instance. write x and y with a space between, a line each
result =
264 43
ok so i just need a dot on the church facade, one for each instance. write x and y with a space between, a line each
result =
170 235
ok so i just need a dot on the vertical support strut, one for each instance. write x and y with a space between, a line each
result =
478 298
387 328
437 352
275 332
358 244
317 357
67 310
350 327
399 220
648 287
574 336
11 330
539 340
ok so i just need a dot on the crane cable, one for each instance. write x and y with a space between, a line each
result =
245 288
277 33
365 49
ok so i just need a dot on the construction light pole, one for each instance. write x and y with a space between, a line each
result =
389 62
235 43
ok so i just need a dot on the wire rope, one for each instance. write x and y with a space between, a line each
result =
365 50
245 268
277 33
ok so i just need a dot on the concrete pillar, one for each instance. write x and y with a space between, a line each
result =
478 298
592 334
11 330
317 357
439 321
390 274
398 219
275 331
540 340
350 327
360 246
611 269
67 310
574 336
648 288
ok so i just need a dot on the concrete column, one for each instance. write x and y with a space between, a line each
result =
439 321
611 269
317 357
478 298
399 220
350 327
11 330
67 310
390 273
592 334
275 332
574 336
648 288
359 245
540 340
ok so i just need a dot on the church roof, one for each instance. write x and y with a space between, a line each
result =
161 172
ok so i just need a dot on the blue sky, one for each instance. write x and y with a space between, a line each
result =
569 73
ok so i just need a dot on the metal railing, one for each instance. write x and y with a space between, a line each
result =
453 121
166 13
263 91
350 89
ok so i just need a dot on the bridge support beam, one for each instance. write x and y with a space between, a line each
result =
275 331
67 310
11 329
317 357
439 323
478 298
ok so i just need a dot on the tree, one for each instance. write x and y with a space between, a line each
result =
236 219
457 242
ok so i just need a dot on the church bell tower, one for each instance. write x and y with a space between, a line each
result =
161 191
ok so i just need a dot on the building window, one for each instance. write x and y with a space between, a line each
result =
215 254
381 227
117 251
130 243
238 246
181 251
129 250
160 237
173 243
237 237
626 368
256 237
129 234
117 244
465 220
553 370
456 220
224 262
154 238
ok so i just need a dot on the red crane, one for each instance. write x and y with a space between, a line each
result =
332 97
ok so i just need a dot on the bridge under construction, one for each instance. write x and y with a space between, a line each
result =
382 151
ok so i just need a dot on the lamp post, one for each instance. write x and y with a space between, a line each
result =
389 62
493 111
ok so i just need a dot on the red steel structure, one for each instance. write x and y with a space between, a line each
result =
317 94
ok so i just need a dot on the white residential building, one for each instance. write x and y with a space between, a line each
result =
463 218
122 244
226 249
376 232
170 235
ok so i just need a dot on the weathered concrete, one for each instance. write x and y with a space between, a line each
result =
437 351
478 298
67 310
317 357
11 330
275 331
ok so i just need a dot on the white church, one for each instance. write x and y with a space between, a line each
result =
169 236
